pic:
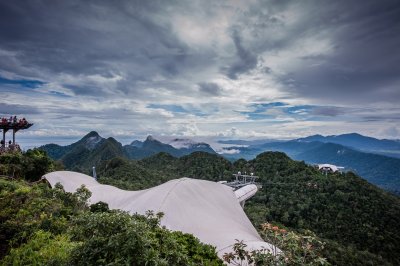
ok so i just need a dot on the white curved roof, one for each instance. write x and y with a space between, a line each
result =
208 210
246 192
332 167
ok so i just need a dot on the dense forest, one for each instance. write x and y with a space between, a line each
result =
357 220
350 221
44 226
47 226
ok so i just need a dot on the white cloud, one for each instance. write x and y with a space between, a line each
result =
228 151
114 61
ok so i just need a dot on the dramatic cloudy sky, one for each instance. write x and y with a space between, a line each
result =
222 69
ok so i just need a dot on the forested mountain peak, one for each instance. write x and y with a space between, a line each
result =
114 141
160 157
91 134
136 143
91 140
151 138
273 156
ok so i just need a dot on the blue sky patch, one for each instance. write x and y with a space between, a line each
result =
26 83
261 107
169 107
60 94
300 109
265 111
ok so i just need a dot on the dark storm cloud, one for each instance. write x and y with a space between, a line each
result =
210 88
363 65
246 60
85 90
141 61
13 109
379 118
263 110
89 38
328 111
44 36
135 39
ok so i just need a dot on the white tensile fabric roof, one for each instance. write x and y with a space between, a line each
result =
332 167
208 210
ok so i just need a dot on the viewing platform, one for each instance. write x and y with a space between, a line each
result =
244 186
242 180
14 124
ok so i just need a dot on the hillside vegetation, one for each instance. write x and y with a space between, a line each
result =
357 220
380 170
93 150
44 226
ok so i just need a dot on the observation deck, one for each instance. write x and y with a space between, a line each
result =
242 180
244 186
14 124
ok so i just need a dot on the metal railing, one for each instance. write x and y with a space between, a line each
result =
243 180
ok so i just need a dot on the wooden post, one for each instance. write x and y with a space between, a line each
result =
4 138
14 131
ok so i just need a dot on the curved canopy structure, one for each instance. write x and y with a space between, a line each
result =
208 210
329 167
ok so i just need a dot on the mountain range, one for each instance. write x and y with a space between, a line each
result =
354 141
348 151
92 149
359 142
177 147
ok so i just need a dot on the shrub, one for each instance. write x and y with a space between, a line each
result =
43 248
296 249
121 239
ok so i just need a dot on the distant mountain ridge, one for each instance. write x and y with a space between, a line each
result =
363 155
359 142
85 153
380 170
149 147
92 149
176 148
89 141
